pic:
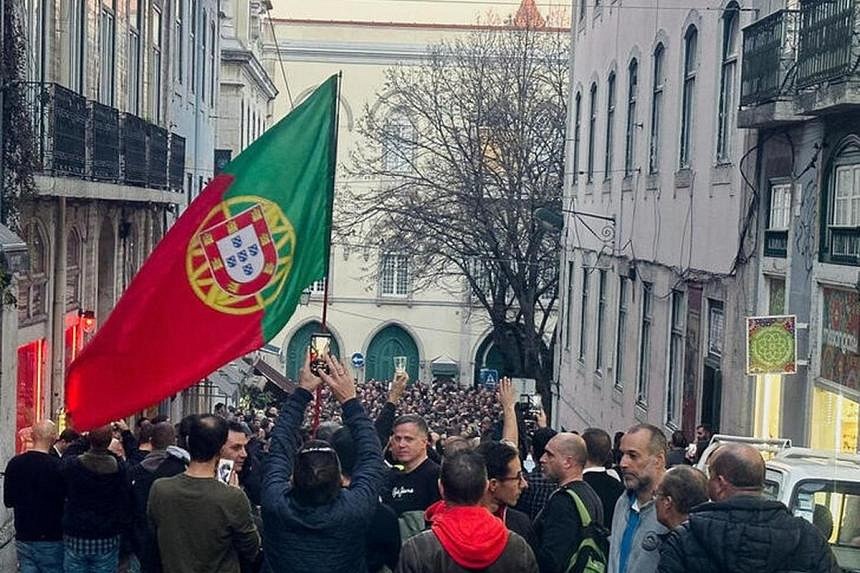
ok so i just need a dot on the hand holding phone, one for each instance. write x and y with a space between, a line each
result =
320 348
224 470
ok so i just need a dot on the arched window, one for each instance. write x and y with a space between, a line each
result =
658 84
691 39
610 124
32 287
73 269
592 126
841 240
630 135
728 76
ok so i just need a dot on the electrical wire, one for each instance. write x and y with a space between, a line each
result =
280 59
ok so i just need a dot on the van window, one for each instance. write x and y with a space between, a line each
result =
772 484
833 507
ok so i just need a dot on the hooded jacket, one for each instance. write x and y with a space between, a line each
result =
746 533
301 538
463 539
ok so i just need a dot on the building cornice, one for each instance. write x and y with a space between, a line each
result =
353 52
248 60
409 25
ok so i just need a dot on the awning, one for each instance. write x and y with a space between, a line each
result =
277 384
444 367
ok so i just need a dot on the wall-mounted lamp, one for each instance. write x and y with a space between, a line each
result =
87 320
305 297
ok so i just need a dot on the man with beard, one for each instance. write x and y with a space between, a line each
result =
643 463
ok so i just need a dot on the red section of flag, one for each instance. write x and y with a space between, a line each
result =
161 337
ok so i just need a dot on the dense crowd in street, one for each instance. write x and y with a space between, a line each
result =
397 477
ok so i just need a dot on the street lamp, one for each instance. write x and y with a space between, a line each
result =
553 220
305 297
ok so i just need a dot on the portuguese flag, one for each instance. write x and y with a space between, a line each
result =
227 276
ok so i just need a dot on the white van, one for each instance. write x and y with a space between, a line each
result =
820 486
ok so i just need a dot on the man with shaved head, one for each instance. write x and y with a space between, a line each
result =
740 530
35 490
558 527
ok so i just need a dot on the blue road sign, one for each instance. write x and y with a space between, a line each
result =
358 360
489 378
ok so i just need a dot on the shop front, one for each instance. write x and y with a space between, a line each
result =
836 395
28 407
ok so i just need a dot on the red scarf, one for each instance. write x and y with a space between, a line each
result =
471 535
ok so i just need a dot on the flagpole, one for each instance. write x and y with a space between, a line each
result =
335 126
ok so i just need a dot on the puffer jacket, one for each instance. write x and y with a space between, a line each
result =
300 538
746 534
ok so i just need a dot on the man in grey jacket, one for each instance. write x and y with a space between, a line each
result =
635 529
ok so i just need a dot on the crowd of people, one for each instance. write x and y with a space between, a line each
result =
401 478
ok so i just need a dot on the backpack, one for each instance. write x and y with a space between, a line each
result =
590 556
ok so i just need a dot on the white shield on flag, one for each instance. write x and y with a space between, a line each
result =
242 254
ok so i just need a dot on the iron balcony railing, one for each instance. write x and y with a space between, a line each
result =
768 57
76 137
828 47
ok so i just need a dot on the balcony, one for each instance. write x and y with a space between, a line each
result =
82 139
767 73
800 63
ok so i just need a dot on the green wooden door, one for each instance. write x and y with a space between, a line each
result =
389 342
298 346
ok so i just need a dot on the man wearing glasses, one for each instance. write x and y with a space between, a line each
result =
558 527
506 483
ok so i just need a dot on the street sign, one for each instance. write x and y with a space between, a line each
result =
488 378
358 360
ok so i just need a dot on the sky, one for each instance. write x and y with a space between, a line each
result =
418 11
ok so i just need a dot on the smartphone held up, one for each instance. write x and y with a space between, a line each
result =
320 347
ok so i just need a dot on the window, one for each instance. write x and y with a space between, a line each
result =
32 287
842 243
569 304
33 12
318 287
716 327
674 383
212 74
583 318
621 330
846 198
728 73
192 46
630 135
656 109
601 315
645 345
592 126
73 269
577 119
581 9
398 145
688 95
107 56
395 275
155 65
780 206
242 124
610 124
179 40
134 56
203 57
77 17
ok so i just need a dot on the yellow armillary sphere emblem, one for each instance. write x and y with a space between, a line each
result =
241 255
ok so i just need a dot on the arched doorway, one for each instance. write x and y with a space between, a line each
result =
488 356
107 271
298 346
389 342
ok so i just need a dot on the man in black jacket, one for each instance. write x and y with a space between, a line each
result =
98 505
558 527
606 485
312 523
741 531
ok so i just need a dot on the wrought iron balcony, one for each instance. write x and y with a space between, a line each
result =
59 118
768 58
776 243
74 137
827 49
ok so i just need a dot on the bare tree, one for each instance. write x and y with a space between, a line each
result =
460 151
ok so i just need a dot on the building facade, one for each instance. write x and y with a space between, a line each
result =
655 279
118 139
799 101
374 308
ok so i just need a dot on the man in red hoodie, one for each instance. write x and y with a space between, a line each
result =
464 536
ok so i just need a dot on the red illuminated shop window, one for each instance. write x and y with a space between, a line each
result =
31 368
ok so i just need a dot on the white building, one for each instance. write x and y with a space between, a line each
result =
440 330
654 292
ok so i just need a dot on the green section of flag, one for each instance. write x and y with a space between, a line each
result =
292 165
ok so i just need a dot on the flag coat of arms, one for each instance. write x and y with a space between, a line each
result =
227 276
